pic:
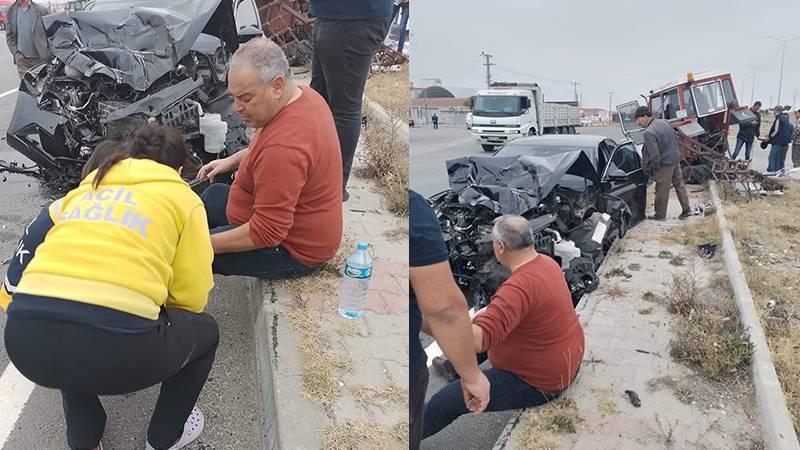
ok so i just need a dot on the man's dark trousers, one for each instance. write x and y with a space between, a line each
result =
264 263
416 405
343 52
666 176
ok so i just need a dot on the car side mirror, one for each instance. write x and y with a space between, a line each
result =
526 103
618 175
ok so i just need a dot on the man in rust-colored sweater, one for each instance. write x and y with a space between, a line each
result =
282 216
530 331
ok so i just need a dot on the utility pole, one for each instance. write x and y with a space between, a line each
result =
575 85
794 100
770 101
783 58
610 97
488 65
753 89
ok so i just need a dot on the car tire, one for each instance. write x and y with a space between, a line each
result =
487 148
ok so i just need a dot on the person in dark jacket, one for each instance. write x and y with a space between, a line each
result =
796 141
25 35
747 133
346 36
661 161
780 136
435 121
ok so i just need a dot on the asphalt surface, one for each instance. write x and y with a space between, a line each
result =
229 400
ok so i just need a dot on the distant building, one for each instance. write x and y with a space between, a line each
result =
450 104
595 115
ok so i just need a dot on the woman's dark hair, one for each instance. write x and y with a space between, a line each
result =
159 143
103 152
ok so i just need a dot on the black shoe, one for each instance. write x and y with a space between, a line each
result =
445 369
655 217
686 213
345 196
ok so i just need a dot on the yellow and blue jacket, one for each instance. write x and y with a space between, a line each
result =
137 242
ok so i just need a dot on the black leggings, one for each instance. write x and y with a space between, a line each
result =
84 361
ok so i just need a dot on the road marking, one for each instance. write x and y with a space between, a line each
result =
8 93
433 350
14 393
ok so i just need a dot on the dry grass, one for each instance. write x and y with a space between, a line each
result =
605 402
350 328
695 231
390 90
707 332
326 278
364 434
398 234
322 368
542 425
384 155
382 396
765 231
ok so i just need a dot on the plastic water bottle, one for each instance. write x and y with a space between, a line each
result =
355 281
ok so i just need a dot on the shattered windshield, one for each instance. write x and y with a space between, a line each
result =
497 105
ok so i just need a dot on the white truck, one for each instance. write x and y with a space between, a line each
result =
507 111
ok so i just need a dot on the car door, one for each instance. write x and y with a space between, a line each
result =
624 178
628 123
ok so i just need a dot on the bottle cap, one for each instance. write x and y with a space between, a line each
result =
363 245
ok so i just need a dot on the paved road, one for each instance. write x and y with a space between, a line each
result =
32 418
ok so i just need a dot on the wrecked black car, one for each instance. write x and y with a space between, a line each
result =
579 193
117 65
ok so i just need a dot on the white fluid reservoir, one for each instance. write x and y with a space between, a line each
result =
567 251
214 131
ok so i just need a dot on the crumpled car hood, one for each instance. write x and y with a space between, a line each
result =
512 184
135 45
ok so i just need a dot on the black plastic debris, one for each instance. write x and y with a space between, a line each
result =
634 398
707 250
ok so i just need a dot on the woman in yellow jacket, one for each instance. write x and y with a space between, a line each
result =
113 301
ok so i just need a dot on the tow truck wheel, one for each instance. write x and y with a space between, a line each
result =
488 148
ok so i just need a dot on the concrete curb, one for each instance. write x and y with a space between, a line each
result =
262 315
386 120
776 421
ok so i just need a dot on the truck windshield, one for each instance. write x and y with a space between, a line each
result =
497 105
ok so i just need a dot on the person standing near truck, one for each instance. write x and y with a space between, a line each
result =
779 137
435 121
747 133
661 161
25 35
796 140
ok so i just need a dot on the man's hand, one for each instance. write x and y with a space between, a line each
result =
476 392
214 168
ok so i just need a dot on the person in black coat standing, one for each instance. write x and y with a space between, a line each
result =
747 133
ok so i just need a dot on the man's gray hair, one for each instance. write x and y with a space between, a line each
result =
263 55
513 231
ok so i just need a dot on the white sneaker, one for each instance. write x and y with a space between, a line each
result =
191 430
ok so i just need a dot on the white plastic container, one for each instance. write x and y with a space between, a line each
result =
567 251
214 131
